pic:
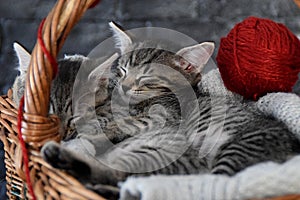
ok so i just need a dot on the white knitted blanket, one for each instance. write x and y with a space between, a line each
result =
262 180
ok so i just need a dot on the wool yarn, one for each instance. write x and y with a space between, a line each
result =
259 56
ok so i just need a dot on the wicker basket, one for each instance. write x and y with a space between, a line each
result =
37 126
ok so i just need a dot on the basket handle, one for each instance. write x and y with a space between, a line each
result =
37 126
297 2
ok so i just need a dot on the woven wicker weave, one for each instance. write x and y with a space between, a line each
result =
37 126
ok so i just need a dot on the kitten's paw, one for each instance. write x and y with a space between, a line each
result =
57 156
62 158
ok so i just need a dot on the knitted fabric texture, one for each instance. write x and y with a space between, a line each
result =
259 181
284 107
213 85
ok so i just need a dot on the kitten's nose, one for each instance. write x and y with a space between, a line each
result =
125 88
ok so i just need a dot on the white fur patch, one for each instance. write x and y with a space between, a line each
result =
75 57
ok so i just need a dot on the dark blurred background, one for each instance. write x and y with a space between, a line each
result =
200 19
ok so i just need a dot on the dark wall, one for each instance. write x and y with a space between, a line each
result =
199 19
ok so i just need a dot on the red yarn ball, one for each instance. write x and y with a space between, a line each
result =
259 56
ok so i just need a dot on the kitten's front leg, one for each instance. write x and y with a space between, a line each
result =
61 158
85 169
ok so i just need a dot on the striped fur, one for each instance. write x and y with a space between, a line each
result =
222 136
167 126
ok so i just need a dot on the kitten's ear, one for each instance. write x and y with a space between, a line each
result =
198 55
102 71
23 56
123 41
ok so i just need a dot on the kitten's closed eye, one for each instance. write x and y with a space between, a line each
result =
146 81
123 71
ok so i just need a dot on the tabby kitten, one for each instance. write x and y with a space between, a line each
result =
61 102
93 81
201 134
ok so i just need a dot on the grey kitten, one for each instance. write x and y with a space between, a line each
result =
102 74
223 136
61 101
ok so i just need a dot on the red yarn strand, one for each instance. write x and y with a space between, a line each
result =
54 65
24 150
51 59
94 4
